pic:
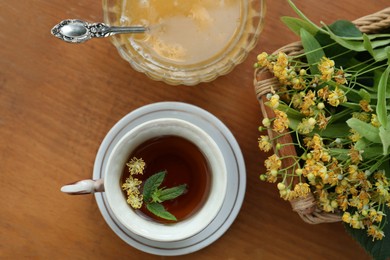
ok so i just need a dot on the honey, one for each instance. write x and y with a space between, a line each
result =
181 32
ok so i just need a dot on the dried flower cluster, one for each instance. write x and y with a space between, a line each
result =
132 184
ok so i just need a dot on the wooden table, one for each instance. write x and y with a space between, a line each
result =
57 102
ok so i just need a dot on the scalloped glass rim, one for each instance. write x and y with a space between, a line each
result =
236 53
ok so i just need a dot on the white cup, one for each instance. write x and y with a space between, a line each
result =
117 159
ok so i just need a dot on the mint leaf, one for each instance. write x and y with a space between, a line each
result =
152 184
172 193
159 210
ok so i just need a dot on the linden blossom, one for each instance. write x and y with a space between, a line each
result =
337 110
152 195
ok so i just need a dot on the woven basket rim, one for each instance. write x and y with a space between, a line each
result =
264 81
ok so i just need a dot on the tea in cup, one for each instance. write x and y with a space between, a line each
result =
188 155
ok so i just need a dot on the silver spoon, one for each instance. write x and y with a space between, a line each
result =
78 31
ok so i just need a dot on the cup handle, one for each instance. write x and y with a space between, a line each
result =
84 187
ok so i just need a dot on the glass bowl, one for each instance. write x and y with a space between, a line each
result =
187 41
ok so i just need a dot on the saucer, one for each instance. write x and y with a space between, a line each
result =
236 179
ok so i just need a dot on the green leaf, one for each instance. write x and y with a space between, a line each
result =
335 129
152 184
365 95
384 134
386 167
378 249
367 45
342 115
372 151
361 144
381 111
159 210
351 105
313 50
300 14
295 25
366 130
340 153
377 77
387 50
344 28
291 112
378 54
341 56
172 193
352 94
349 44
293 123
370 36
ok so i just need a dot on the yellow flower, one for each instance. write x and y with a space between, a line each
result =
298 83
280 68
341 77
375 232
135 200
287 194
322 120
265 143
336 97
323 93
365 106
302 190
353 172
296 100
326 67
343 203
347 217
136 166
274 101
273 162
271 176
314 142
131 185
327 204
355 136
308 103
282 59
375 121
376 216
382 189
281 121
262 59
356 221
363 116
356 155
306 125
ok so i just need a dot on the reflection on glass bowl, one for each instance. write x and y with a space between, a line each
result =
188 41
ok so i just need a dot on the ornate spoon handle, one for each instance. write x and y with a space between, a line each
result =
78 31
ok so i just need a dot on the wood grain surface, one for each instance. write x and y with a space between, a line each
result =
57 102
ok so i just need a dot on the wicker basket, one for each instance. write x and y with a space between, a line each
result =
264 81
